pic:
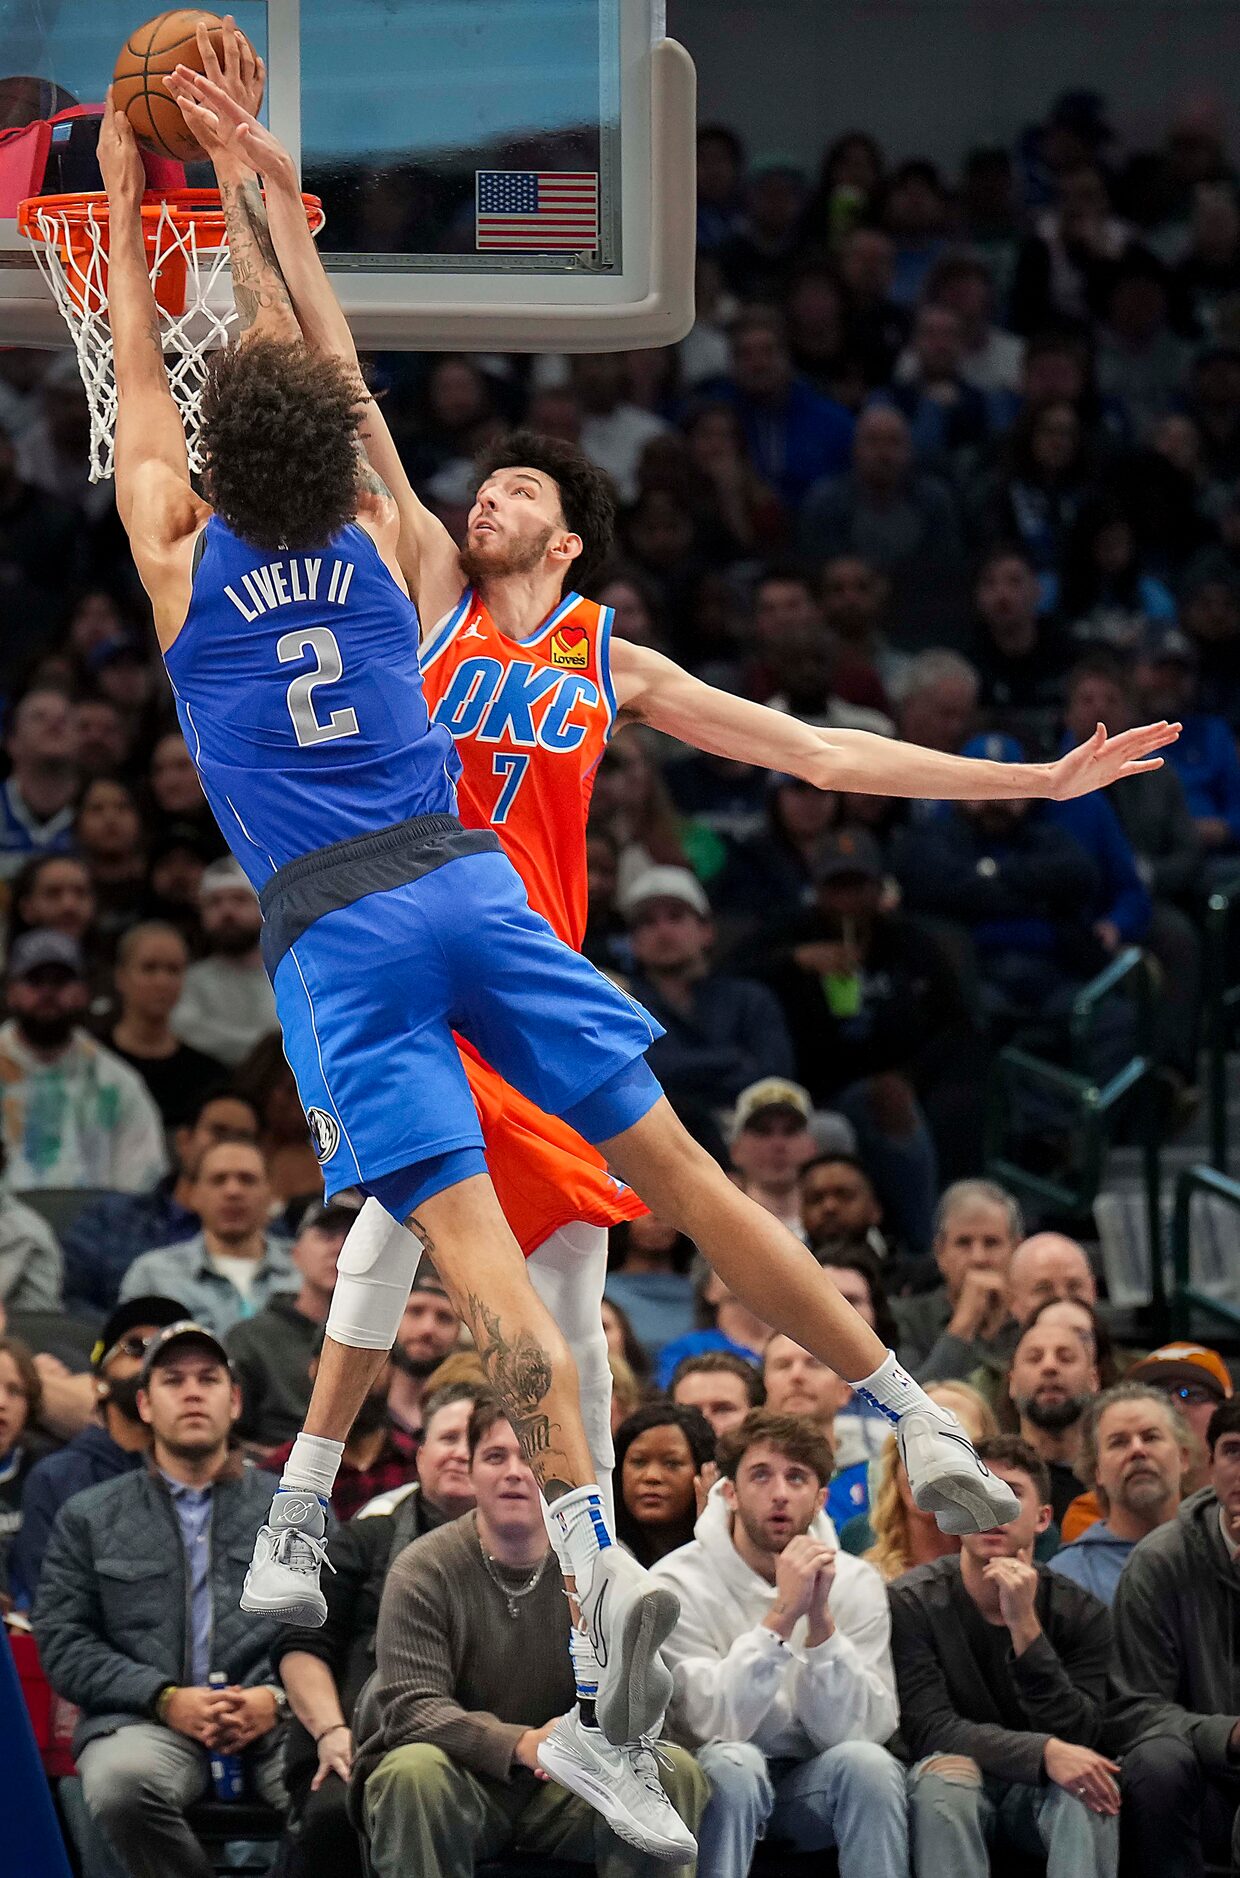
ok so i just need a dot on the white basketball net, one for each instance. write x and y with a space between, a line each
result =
76 272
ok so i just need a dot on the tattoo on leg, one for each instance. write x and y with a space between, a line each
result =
414 1225
520 1370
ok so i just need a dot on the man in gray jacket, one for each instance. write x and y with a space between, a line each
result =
1174 1714
139 1603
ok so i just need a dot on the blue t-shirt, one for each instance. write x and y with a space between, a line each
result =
849 1494
659 1305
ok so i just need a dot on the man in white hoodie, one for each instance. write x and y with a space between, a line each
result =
782 1664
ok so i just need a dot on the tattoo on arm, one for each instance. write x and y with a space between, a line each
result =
258 284
369 479
520 1370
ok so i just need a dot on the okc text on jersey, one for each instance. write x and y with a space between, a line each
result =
489 701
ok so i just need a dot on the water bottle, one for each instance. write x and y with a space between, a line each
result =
226 1775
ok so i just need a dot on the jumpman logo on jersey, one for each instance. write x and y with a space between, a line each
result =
474 632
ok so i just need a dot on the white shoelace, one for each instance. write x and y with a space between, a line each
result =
645 1757
285 1552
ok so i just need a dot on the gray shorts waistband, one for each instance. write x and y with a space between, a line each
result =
304 890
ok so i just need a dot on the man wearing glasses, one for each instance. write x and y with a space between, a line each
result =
1197 1380
112 1443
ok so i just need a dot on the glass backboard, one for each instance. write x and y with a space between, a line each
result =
513 173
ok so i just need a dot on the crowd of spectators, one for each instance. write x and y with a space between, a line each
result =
846 1676
950 457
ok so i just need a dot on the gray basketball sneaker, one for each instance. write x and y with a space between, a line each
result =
622 1784
946 1476
291 1549
628 1615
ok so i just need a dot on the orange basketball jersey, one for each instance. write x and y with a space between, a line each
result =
531 720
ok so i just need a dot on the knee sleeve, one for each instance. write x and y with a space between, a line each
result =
374 1274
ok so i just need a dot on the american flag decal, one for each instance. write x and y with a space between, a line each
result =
538 211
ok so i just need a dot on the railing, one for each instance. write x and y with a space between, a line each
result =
1222 1003
1091 1107
1185 1296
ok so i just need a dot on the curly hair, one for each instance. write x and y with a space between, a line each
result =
587 499
279 441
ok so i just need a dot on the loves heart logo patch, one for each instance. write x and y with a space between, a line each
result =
570 648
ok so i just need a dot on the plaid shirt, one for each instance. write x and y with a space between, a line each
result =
355 1486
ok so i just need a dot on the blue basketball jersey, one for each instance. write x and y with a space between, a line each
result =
298 689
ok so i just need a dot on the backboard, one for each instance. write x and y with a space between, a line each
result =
515 174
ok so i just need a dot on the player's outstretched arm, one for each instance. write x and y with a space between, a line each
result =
428 556
154 497
653 690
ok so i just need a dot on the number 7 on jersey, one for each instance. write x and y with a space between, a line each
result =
512 768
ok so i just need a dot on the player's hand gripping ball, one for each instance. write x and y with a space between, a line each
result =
149 54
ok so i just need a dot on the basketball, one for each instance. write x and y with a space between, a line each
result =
149 54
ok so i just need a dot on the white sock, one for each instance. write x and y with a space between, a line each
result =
892 1390
577 1528
313 1464
585 1670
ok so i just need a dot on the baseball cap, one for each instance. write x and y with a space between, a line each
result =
222 876
850 852
156 1311
772 1092
45 946
995 748
182 1330
1184 1362
426 1278
332 1215
665 883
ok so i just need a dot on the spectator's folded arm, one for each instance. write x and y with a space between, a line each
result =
930 1724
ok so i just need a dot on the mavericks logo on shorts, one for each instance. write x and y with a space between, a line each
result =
325 1132
570 647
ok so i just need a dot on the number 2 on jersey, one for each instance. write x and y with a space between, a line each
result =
512 768
328 670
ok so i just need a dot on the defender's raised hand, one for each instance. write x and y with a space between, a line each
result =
1102 760
120 160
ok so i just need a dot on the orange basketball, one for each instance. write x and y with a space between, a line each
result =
146 58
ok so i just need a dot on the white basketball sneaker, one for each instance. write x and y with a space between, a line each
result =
946 1476
622 1784
628 1616
291 1549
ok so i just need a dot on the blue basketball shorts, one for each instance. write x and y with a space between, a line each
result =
369 994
